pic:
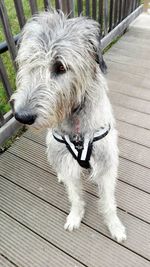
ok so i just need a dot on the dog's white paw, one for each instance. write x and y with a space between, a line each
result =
117 230
60 179
73 221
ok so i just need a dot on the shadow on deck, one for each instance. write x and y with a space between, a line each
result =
33 206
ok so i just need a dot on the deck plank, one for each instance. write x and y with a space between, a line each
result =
125 130
126 77
137 175
28 150
26 248
50 221
136 38
133 54
134 152
116 63
130 102
45 185
134 133
138 33
132 117
129 90
5 263
124 44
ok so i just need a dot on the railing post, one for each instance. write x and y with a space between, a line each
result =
47 5
20 13
80 7
94 9
111 15
68 7
4 79
33 6
115 13
101 16
1 119
87 3
105 17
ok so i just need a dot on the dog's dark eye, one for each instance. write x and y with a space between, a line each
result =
59 68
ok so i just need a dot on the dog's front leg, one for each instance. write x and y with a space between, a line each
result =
107 205
73 184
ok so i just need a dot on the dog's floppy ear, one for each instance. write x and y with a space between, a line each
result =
98 55
99 58
101 62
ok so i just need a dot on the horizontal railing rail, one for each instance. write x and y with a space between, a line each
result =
114 16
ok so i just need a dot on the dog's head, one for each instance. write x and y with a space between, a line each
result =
58 61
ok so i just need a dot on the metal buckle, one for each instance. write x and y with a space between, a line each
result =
78 141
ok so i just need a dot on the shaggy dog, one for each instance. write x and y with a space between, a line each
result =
60 86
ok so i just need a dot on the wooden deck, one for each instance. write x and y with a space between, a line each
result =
33 206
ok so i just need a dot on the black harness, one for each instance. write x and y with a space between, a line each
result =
81 146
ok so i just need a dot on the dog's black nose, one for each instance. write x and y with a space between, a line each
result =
25 117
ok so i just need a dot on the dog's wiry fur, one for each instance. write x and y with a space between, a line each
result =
49 39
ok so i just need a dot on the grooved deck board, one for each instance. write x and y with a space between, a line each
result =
129 204
134 133
136 175
130 102
125 130
126 66
126 77
131 55
123 44
133 117
37 136
26 248
128 89
131 38
34 206
135 152
138 33
28 150
5 263
50 220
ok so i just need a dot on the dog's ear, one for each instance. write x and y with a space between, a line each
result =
98 55
101 62
100 59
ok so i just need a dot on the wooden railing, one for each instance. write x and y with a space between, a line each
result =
113 16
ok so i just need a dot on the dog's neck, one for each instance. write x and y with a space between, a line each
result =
76 116
90 115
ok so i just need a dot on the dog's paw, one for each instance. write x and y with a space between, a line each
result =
60 179
117 230
73 221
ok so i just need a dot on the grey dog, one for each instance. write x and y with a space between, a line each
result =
61 87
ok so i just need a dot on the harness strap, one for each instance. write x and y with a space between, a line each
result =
101 133
81 147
